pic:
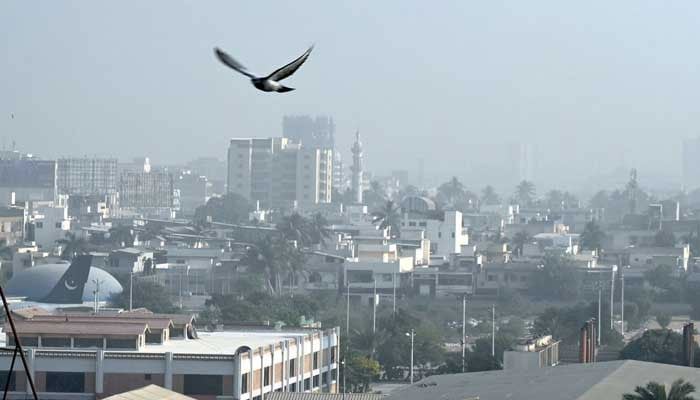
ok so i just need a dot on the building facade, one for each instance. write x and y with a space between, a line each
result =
84 356
146 190
27 180
279 173
87 176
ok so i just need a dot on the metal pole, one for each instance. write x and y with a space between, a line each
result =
393 282
622 301
612 300
347 315
413 334
599 322
18 345
493 331
464 330
374 310
131 290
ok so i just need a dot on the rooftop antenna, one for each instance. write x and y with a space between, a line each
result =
18 349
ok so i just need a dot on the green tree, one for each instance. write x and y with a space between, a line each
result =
489 196
210 317
661 345
276 259
452 192
664 320
230 208
121 236
660 277
519 240
557 279
525 193
389 216
297 228
680 390
319 229
147 294
360 371
72 246
592 236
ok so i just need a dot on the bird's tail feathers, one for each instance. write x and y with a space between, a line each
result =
285 89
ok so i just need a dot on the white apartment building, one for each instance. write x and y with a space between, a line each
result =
86 357
48 223
279 173
446 235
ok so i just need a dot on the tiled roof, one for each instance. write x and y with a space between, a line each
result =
150 392
77 328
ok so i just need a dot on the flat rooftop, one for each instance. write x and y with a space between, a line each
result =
224 343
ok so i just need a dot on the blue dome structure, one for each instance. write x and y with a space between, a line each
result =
35 283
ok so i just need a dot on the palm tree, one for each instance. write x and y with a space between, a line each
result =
72 246
452 192
121 235
489 196
680 390
319 229
525 193
389 216
297 228
519 240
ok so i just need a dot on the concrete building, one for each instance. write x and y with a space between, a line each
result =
317 133
27 180
194 191
532 353
146 192
48 223
446 235
279 173
86 356
357 184
12 224
592 381
87 176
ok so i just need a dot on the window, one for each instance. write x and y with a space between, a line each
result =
210 385
316 381
292 368
453 235
39 225
333 355
147 377
387 277
244 383
439 235
293 387
13 380
121 343
58 225
154 338
491 278
65 382
266 376
412 223
307 384
55 342
29 341
324 378
423 224
315 360
87 342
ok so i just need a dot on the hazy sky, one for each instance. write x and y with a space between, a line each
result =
594 85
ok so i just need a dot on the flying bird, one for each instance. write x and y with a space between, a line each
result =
268 83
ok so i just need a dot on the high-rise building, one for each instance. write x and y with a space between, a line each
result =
146 190
27 180
338 173
526 162
87 176
316 132
279 173
357 174
691 164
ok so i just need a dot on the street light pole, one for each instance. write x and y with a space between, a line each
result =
464 330
622 301
599 322
131 290
493 331
412 335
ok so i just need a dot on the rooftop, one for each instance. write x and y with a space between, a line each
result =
225 342
603 380
150 392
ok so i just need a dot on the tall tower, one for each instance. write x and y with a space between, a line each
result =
357 169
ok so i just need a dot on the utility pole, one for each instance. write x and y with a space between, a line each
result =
374 309
393 282
622 301
464 330
347 314
612 298
493 331
131 290
599 322
412 335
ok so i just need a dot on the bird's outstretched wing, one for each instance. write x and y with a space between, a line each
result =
230 62
290 68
